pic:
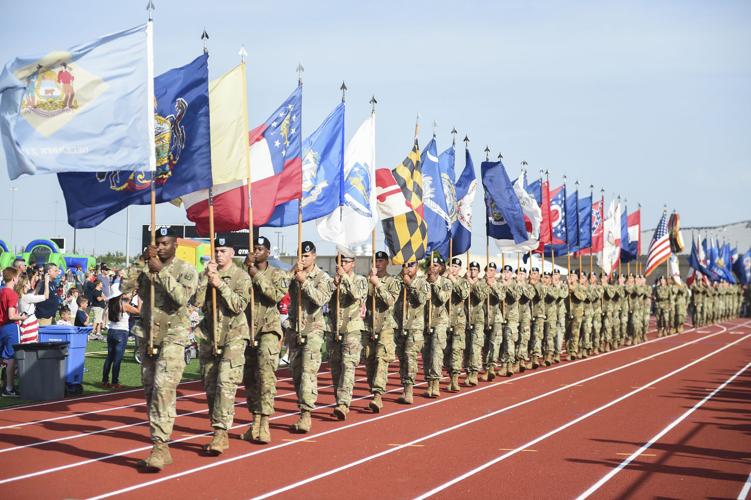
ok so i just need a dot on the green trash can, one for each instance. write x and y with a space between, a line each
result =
41 370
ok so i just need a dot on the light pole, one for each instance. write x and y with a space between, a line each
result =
13 190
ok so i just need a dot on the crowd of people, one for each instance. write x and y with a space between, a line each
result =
475 326
43 295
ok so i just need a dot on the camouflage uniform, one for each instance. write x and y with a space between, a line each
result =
305 352
663 295
270 285
475 339
437 331
697 302
624 322
609 293
174 286
458 322
551 322
381 349
646 307
411 324
511 340
562 302
538 317
596 293
586 336
525 319
577 297
634 318
681 301
222 372
493 328
345 346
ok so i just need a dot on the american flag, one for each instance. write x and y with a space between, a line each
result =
659 248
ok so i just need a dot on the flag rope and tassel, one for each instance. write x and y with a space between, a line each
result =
299 239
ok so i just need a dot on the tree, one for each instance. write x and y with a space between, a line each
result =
112 259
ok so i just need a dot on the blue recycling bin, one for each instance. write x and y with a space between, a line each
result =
77 337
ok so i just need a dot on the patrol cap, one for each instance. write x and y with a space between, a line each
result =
556 271
411 263
474 265
535 269
308 247
381 255
221 240
262 241
167 231
491 265
576 272
546 273
456 261
439 260
347 258
508 268
521 270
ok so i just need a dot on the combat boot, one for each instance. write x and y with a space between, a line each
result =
436 389
303 424
264 434
429 390
548 359
252 433
557 358
218 443
376 403
516 367
472 379
158 458
572 356
484 376
454 385
341 411
491 373
508 369
535 362
406 397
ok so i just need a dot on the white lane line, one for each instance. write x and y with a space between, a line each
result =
380 417
144 422
607 477
565 426
746 487
460 425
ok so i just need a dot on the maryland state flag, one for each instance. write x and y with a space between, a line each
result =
401 209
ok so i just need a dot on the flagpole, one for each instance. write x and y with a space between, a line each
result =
579 251
373 102
667 262
299 70
542 200
214 347
638 242
602 224
620 259
152 350
343 88
591 235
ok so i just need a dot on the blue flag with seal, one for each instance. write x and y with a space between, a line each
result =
466 188
434 201
742 268
322 168
446 163
585 223
505 218
87 109
572 221
183 153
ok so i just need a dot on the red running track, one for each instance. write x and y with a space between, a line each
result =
584 418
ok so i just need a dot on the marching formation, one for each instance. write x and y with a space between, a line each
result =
475 326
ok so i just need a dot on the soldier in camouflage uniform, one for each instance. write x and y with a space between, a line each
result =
595 295
270 285
382 326
551 319
562 305
457 322
345 328
315 288
708 301
634 311
585 345
624 305
608 312
681 304
475 338
493 323
512 294
697 301
663 297
577 296
646 305
174 285
437 324
221 347
525 319
410 318
538 309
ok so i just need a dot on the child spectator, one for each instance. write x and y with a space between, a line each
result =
65 317
98 303
9 331
82 315
71 301
28 298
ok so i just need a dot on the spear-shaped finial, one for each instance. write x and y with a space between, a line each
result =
417 125
242 53
487 153
343 88
524 166
577 184
453 136
204 37
373 102
500 156
564 179
435 127
150 8
466 142
300 71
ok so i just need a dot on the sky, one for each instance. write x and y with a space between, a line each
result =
647 99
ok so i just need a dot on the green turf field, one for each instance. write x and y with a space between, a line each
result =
130 372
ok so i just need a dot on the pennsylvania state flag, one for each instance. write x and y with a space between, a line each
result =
183 153
407 233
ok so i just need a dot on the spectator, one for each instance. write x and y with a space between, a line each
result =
118 312
71 301
9 331
82 314
47 309
20 264
98 303
27 302
88 286
104 278
80 276
65 317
